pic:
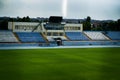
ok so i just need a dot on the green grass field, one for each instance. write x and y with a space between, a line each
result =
60 64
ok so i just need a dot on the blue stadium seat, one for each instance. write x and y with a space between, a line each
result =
114 35
30 37
76 36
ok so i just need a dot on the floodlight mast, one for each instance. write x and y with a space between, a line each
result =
64 8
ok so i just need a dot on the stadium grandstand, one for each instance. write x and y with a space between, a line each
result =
54 33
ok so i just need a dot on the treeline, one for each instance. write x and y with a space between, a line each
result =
4 21
108 25
24 19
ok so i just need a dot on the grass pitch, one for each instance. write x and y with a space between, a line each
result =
60 64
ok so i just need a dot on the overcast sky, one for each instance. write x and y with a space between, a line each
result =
96 9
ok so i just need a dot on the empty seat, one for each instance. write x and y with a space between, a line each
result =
30 37
7 36
114 35
76 36
96 35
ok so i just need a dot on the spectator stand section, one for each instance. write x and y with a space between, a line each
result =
76 36
113 35
96 35
7 37
30 37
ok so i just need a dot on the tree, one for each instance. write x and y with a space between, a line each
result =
118 24
28 19
87 23
4 25
19 19
88 19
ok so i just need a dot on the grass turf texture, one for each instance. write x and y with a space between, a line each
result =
60 64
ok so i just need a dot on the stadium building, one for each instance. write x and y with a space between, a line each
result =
54 33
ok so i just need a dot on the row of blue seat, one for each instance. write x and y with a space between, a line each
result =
17 44
114 35
30 37
24 45
76 36
78 43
